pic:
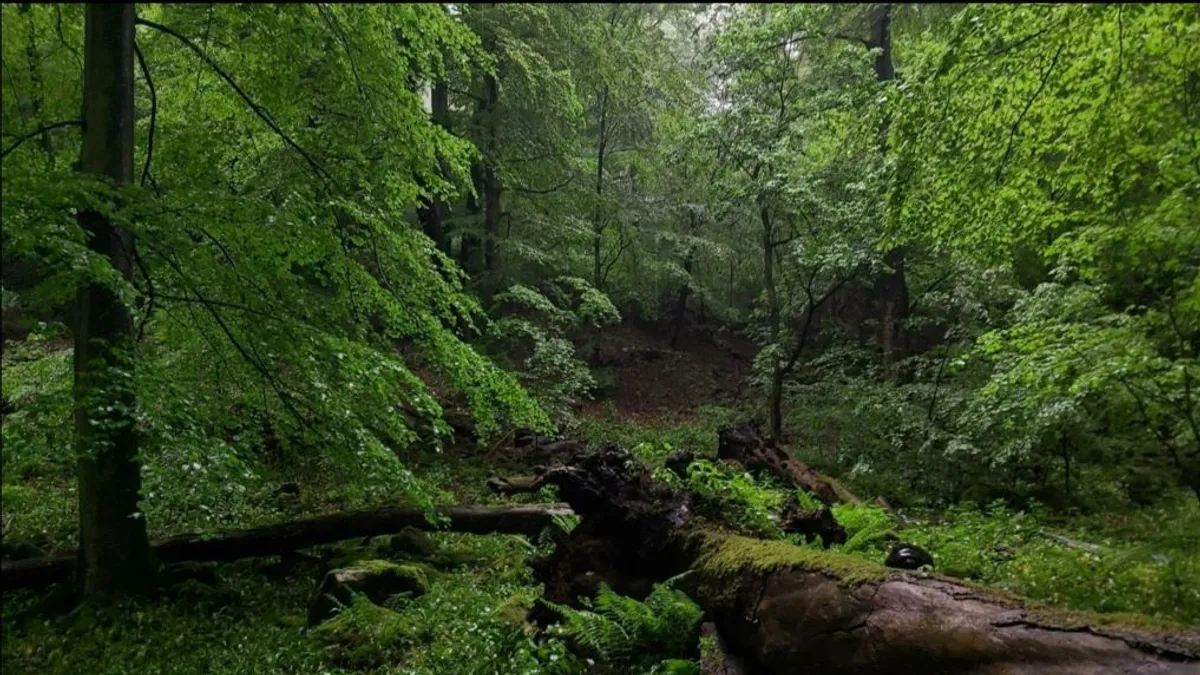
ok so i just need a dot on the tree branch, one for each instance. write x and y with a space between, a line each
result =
258 110
546 191
40 130
1012 133
153 112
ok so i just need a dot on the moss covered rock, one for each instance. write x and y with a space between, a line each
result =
364 635
412 542
377 580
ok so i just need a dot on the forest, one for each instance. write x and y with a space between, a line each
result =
613 339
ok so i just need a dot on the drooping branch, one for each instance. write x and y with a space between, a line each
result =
40 130
1012 132
153 112
258 110
545 191
296 535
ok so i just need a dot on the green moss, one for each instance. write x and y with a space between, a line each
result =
413 576
724 555
364 635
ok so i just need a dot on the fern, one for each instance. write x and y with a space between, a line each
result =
866 537
622 630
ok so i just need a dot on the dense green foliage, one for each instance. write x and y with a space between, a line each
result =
373 242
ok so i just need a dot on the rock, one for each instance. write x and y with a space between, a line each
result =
375 579
908 557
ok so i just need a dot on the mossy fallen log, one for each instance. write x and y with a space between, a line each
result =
300 534
781 609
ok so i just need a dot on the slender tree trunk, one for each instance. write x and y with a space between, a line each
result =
598 219
470 252
432 213
775 395
114 547
685 288
1066 456
491 175
33 61
893 287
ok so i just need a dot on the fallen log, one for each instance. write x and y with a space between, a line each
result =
780 608
745 445
299 534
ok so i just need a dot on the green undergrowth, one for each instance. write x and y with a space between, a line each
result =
695 430
472 620
1132 565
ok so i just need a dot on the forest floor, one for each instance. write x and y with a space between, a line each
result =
249 616
643 375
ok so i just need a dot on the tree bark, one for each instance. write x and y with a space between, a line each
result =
598 217
491 175
432 212
293 536
782 609
775 395
114 547
685 288
893 286
470 251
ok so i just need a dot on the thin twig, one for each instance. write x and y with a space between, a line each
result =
141 265
40 130
1012 133
258 110
153 112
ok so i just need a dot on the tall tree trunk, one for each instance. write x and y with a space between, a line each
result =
686 287
893 286
114 547
33 61
775 395
470 251
432 212
491 174
598 218
685 290
478 253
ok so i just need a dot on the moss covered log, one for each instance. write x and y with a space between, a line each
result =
779 607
